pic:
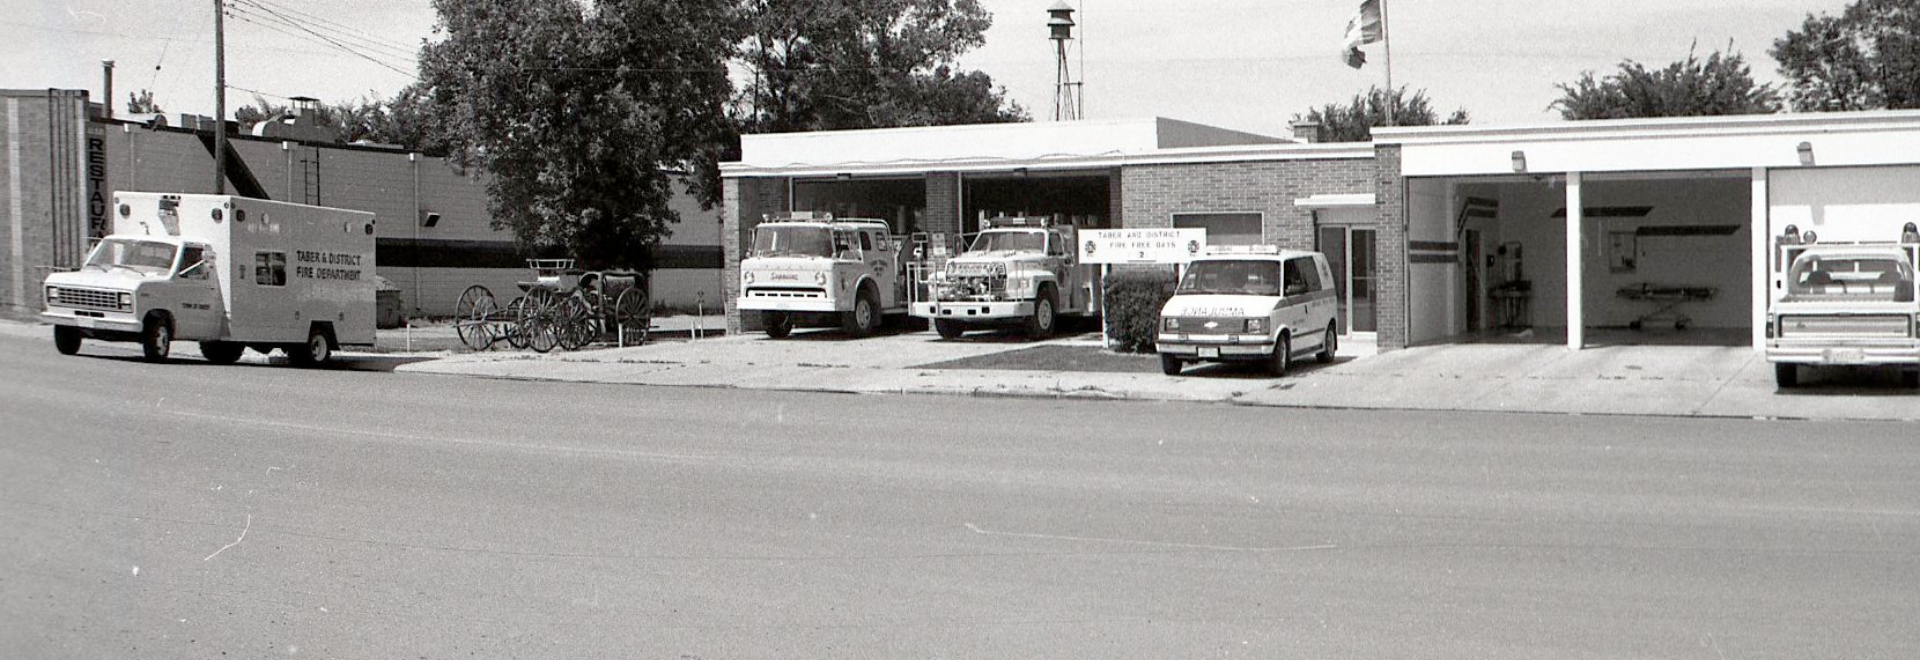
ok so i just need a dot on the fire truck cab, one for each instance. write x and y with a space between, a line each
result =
1844 303
812 269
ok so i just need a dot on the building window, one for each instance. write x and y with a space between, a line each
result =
1224 228
270 268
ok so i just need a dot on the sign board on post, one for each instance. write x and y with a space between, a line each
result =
1141 246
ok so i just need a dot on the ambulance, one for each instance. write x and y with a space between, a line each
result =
231 273
1250 303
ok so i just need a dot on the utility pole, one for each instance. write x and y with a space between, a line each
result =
219 97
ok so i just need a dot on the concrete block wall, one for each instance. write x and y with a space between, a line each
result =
744 201
1390 248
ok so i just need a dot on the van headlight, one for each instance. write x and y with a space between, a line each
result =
126 300
1256 326
1170 324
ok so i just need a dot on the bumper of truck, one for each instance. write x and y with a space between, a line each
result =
111 324
974 311
757 304
1830 352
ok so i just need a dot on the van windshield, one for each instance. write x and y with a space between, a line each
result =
792 241
144 257
1237 277
1885 278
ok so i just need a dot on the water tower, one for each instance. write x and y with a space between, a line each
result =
1066 91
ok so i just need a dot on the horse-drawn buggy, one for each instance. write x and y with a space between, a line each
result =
562 307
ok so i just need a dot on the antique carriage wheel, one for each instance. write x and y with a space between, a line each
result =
509 327
539 320
633 315
472 317
576 324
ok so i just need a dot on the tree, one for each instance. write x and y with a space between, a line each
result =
406 120
583 115
842 64
142 103
1354 120
1867 58
1721 84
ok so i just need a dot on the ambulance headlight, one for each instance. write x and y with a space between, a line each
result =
1170 324
126 300
1256 326
53 293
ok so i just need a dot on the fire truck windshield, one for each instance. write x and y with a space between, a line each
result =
1852 277
1010 241
145 257
792 241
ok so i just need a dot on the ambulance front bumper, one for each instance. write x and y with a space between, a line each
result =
1211 347
79 319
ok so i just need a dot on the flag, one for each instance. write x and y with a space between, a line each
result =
1362 29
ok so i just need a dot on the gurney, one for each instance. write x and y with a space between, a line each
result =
1667 302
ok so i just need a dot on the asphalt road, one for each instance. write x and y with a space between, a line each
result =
193 511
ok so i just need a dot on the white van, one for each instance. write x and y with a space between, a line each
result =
229 272
1250 303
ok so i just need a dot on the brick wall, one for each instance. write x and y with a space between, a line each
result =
943 203
1390 247
43 192
1151 194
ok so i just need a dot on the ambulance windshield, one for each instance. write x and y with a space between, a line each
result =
792 241
144 257
1232 277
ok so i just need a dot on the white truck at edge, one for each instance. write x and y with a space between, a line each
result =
808 269
1017 270
1844 303
229 272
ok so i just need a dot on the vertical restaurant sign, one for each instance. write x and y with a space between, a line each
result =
1141 246
96 181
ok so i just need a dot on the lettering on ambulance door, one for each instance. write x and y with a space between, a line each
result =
197 314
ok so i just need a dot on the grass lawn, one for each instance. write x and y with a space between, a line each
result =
1057 358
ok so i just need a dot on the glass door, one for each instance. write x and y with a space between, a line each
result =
1350 254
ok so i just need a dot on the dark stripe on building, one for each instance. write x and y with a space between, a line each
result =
1688 230
1608 211
1432 258
1433 245
443 253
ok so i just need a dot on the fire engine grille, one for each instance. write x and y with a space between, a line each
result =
787 292
1843 325
88 298
974 288
1197 325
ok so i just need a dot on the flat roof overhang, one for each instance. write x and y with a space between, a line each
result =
1658 145
826 164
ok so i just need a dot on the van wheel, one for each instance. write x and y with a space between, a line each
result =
1282 356
1330 347
316 352
1786 374
949 328
1040 325
1170 365
156 339
865 316
221 352
778 324
66 339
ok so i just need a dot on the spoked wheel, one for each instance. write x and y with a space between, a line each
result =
577 326
539 320
632 315
473 317
510 328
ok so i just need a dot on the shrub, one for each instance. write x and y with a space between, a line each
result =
1133 301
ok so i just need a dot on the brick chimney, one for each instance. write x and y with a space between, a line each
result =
1306 130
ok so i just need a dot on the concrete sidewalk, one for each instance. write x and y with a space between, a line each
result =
1537 378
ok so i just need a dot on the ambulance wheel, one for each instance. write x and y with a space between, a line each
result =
778 324
865 316
1282 356
66 339
316 352
949 328
156 339
221 352
1786 374
1040 325
1332 346
1170 365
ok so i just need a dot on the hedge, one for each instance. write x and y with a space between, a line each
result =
1133 302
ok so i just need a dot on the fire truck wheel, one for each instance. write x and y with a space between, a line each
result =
778 324
949 329
1910 378
317 350
1040 325
865 316
1170 365
221 352
1786 374
1330 347
66 339
1282 356
156 339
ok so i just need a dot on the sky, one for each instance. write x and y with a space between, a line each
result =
1242 64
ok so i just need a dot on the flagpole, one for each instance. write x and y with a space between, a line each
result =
1386 43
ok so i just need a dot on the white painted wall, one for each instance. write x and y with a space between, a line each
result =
1433 288
1845 204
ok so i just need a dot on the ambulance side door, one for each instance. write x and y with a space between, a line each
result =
197 314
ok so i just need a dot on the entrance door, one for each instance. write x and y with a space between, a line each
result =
1350 254
1472 248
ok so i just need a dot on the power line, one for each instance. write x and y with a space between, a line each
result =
258 17
356 33
261 13
337 44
